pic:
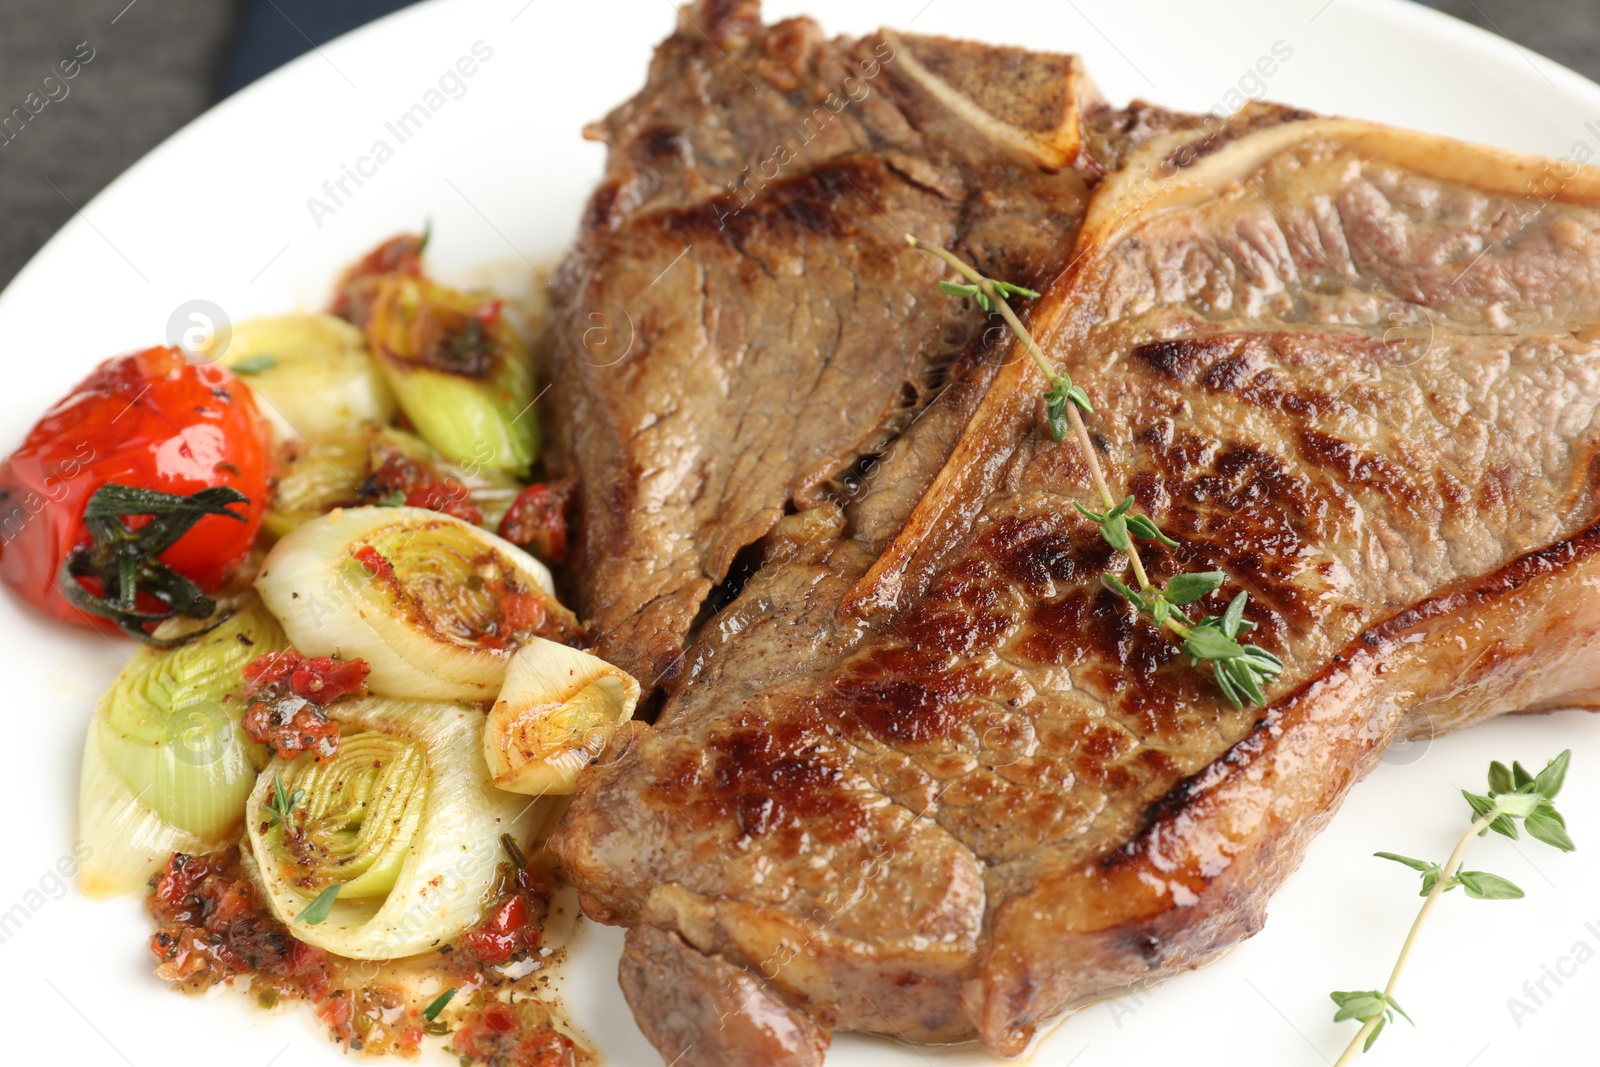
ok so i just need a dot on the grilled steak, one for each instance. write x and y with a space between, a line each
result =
926 777
741 321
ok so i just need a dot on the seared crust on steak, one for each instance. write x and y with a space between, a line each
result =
926 777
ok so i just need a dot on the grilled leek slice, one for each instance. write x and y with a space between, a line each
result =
556 713
166 767
311 374
390 846
435 605
459 370
345 469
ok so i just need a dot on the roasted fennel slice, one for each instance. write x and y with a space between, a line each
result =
391 846
166 767
557 711
435 605
311 374
459 370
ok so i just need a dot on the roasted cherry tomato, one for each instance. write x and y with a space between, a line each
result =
150 421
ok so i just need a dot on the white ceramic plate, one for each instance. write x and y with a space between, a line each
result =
220 213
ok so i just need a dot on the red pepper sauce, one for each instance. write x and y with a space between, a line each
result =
376 562
512 1035
524 611
215 928
288 696
512 924
540 519
419 484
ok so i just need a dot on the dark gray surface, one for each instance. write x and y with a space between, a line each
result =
157 62
153 69
272 32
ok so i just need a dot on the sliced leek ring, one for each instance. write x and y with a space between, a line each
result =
402 819
166 767
312 374
361 810
424 598
556 714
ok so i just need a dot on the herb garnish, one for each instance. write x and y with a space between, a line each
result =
317 911
1240 669
282 802
431 1012
125 562
513 853
254 364
1513 794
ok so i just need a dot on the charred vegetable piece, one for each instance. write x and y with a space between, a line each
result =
459 370
378 466
557 712
393 843
354 295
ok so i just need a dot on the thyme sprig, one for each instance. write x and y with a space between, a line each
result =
990 295
282 803
982 298
1514 794
127 562
1241 670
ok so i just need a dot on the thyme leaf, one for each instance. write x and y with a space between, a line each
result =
1187 588
254 364
317 911
126 561
431 1012
1063 392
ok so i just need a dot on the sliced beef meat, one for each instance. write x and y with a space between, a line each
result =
927 778
741 320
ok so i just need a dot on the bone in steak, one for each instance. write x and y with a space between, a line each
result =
926 778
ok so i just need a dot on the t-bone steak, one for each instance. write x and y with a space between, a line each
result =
924 776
